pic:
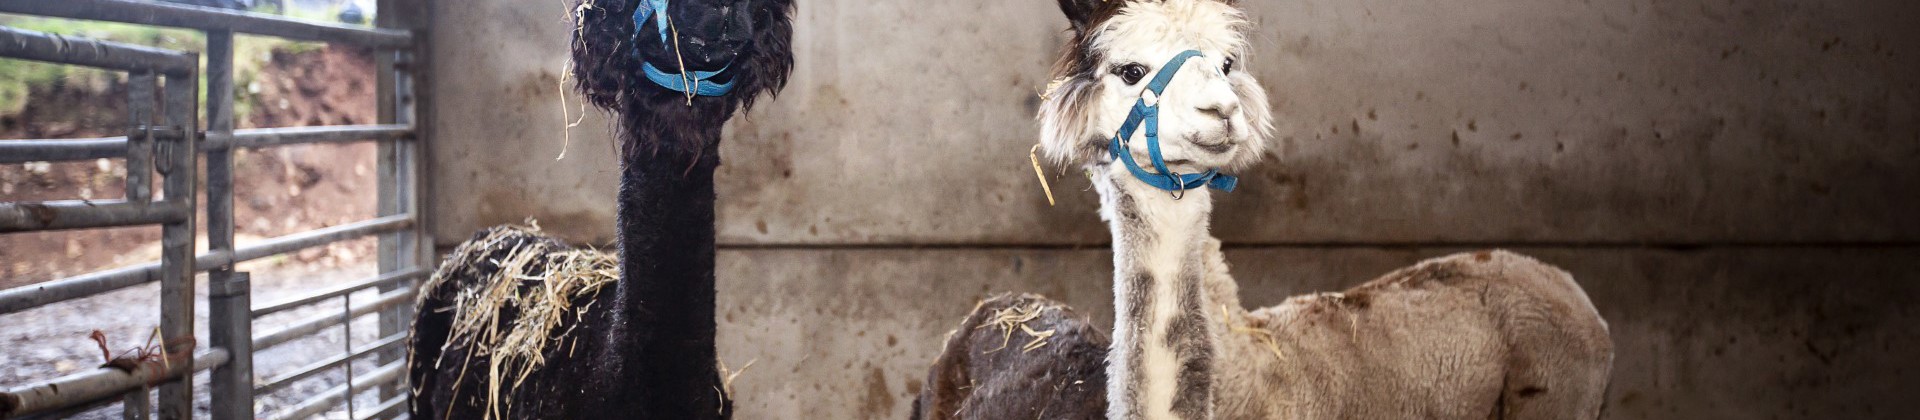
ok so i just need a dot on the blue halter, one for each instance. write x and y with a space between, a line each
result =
1150 115
657 10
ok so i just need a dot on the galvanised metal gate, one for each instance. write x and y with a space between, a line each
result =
164 138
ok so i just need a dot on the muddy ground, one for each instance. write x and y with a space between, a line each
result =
278 191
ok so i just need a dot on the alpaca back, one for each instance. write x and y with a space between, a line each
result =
506 328
1469 336
991 367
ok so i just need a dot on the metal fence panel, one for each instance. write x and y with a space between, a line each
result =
163 138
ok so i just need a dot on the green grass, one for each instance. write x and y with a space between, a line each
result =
19 77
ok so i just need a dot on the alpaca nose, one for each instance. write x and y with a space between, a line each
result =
1221 110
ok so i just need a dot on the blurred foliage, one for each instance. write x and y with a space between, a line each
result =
19 78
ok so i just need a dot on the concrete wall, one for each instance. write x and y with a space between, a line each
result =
1736 184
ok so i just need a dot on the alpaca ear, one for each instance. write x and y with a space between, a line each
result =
1081 12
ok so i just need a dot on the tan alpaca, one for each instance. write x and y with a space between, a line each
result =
1489 334
1471 336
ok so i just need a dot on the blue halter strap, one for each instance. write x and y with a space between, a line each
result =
656 10
1149 114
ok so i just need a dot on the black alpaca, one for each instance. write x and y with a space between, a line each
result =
646 350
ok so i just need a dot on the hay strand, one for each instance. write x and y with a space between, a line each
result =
1009 318
1033 155
1262 336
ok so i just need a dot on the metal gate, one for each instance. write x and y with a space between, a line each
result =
163 137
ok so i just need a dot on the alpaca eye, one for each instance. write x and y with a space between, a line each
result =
1228 67
1131 73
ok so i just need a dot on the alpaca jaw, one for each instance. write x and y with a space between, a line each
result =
1213 114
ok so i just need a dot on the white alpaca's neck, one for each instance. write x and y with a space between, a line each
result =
1161 363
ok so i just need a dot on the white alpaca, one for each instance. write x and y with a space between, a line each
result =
1470 336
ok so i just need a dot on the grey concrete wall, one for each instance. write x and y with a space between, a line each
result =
1736 184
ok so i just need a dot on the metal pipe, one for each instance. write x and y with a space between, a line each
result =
332 396
69 412
52 48
399 166
308 326
232 383
269 137
346 345
337 291
62 150
138 144
229 301
65 150
311 238
136 405
282 381
95 385
36 295
181 105
80 214
389 408
211 19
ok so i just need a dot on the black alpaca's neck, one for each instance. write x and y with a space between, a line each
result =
663 323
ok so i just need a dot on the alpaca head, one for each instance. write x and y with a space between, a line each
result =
749 39
1213 114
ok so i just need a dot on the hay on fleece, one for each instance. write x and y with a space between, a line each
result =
524 286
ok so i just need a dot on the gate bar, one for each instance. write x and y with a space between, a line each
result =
139 142
327 399
282 381
390 408
402 163
270 137
206 18
82 214
66 150
94 385
35 295
23 151
337 291
229 294
42 46
306 327
181 107
311 238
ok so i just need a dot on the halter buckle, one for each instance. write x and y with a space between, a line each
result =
1180 188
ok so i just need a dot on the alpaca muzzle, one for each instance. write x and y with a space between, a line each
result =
688 46
1146 111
